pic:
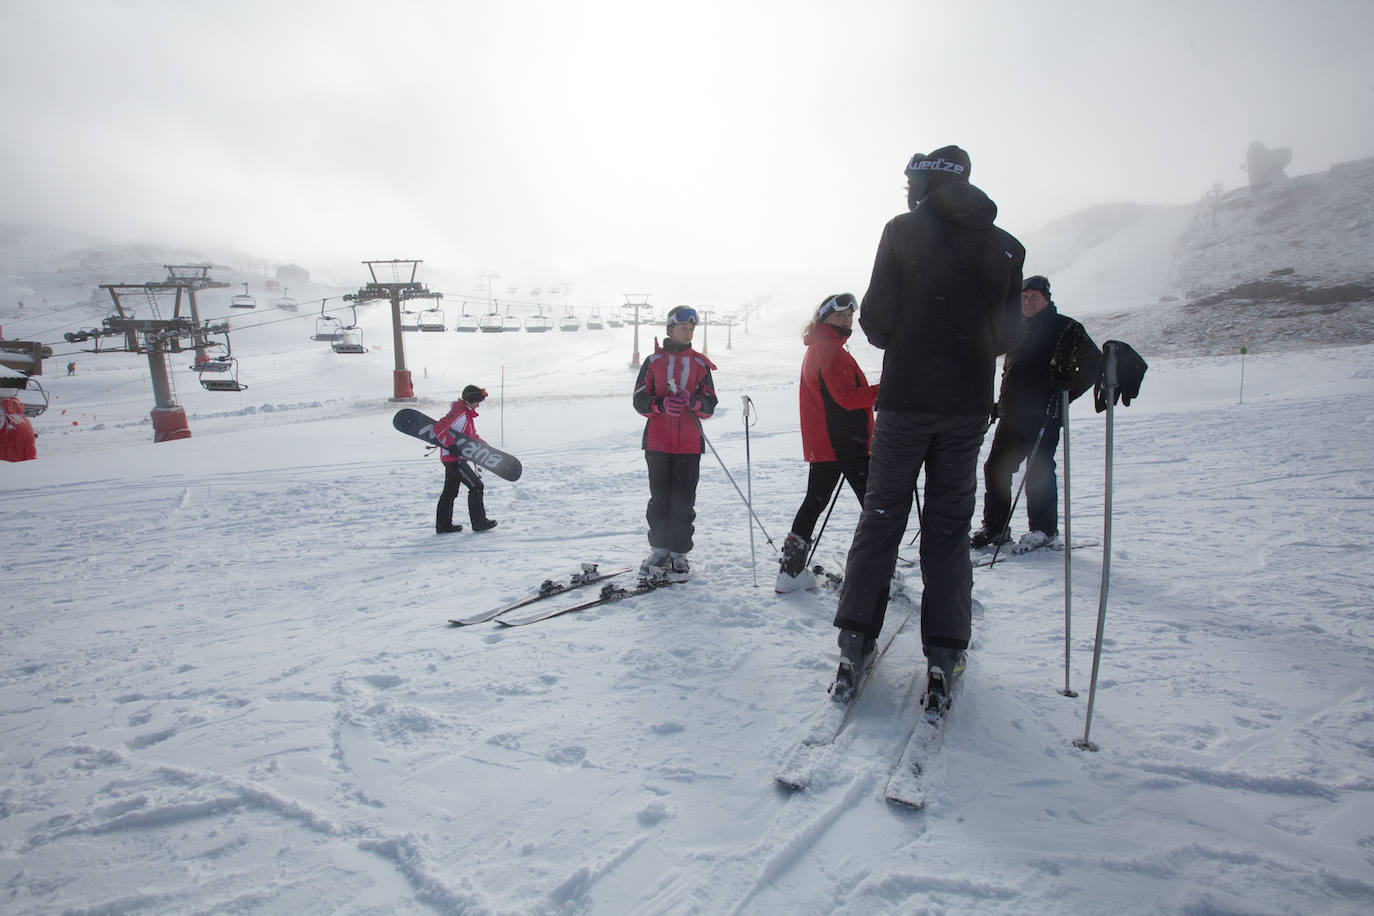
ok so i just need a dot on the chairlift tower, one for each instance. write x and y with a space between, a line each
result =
156 336
193 278
636 301
395 280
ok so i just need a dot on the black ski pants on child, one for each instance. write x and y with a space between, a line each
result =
672 499
456 474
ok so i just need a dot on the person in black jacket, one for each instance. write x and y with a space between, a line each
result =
943 303
1056 354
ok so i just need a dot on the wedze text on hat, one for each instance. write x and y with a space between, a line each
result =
934 165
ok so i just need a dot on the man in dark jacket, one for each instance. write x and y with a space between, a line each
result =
1055 355
943 303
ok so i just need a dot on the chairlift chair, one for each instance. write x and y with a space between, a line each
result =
350 341
32 408
491 322
466 323
570 322
227 382
286 303
350 336
410 321
327 329
510 322
613 318
594 322
433 320
243 300
538 323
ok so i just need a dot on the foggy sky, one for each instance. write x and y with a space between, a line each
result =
547 138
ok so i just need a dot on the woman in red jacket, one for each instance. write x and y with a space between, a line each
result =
836 425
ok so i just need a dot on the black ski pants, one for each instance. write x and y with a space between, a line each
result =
1011 445
456 474
672 499
820 483
947 447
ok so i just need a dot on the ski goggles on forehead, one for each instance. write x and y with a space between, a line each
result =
844 302
683 315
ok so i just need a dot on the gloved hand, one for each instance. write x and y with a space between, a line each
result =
674 404
993 418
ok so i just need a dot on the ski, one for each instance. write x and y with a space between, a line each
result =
548 589
909 779
906 786
984 556
826 723
609 593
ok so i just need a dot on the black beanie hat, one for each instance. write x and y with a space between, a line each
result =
948 161
474 395
1037 283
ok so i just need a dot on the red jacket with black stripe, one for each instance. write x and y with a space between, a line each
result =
689 372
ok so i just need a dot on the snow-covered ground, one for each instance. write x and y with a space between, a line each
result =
227 683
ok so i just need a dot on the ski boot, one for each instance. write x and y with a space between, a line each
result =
654 564
944 667
792 571
984 537
855 648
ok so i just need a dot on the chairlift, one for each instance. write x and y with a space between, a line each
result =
350 336
410 321
594 322
32 408
510 322
327 328
223 371
433 320
613 318
539 323
286 303
491 322
466 324
243 300
570 322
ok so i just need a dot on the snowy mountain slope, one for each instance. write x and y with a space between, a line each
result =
227 683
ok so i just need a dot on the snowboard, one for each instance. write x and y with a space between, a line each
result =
482 454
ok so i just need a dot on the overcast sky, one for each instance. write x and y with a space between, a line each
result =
543 139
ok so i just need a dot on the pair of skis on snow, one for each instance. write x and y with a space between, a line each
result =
908 780
589 575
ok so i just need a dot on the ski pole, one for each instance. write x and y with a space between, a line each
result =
916 492
835 497
749 482
1109 382
1030 459
1068 552
731 478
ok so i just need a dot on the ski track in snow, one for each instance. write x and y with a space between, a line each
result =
226 683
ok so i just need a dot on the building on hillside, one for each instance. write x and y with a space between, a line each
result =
293 273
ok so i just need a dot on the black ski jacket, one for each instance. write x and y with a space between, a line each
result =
944 300
1053 355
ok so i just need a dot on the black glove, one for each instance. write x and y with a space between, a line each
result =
993 417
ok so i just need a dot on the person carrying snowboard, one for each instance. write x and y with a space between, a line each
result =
458 471
675 392
836 425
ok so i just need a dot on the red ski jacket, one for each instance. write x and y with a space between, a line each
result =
459 419
690 373
836 399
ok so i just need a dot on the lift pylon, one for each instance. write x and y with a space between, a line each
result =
395 280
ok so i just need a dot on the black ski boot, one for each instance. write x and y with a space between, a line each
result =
855 648
984 537
944 667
